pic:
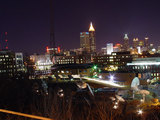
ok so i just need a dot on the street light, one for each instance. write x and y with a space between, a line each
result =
95 67
140 112
111 78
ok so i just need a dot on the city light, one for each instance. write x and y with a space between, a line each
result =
94 67
105 82
140 112
60 92
59 49
91 28
111 78
100 77
116 103
115 106
144 63
47 49
64 73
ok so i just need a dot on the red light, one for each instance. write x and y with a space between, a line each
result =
47 49
6 40
118 44
5 33
6 47
59 49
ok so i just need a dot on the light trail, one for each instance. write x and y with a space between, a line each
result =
24 115
105 82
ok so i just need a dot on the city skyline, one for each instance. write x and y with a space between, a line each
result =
111 20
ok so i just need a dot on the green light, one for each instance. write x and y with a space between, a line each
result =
94 67
95 76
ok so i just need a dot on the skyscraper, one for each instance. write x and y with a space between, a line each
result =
84 41
126 43
146 43
135 43
141 43
92 38
109 48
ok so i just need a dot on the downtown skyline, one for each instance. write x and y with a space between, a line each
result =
27 22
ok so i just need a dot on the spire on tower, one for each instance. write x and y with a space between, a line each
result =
91 28
126 36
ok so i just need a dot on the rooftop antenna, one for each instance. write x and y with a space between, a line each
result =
6 40
52 35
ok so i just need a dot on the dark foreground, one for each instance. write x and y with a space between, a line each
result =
63 101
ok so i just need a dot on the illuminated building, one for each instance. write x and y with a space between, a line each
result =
104 51
126 43
76 59
135 43
141 43
151 49
69 53
11 63
72 69
53 51
115 49
84 41
92 39
158 51
88 40
109 47
42 63
146 65
19 61
151 46
135 48
79 51
146 43
119 46
139 50
115 61
73 52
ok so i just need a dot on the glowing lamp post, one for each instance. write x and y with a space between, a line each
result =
140 112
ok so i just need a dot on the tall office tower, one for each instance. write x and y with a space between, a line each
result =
92 38
109 48
135 43
151 46
146 43
84 41
126 43
141 43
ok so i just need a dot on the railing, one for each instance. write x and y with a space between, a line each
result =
24 115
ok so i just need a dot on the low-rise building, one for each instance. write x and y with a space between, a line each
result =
11 63
76 59
148 67
113 62
42 63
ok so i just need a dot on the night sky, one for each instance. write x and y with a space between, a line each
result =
28 22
